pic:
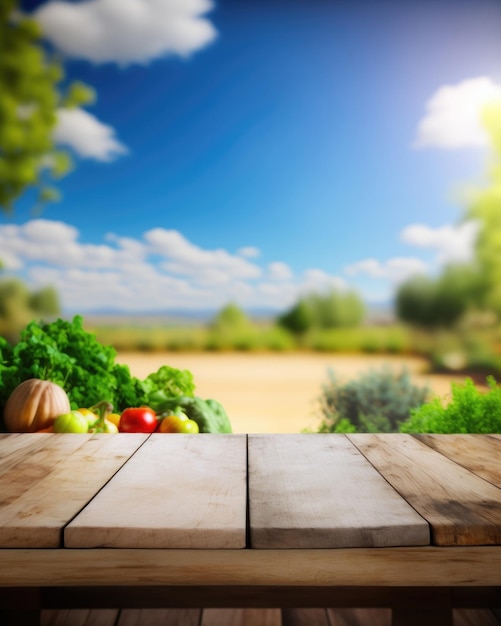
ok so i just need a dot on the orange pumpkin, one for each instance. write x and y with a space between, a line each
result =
34 405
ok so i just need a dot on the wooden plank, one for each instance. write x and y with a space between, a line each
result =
51 479
462 508
79 617
159 617
305 617
474 617
472 566
241 617
178 491
318 491
418 617
480 454
16 446
359 617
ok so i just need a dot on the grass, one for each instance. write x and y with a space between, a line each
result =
472 352
258 337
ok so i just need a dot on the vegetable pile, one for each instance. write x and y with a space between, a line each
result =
66 355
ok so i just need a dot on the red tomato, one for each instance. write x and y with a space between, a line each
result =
138 420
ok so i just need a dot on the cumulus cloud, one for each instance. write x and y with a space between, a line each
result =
396 269
452 244
279 271
126 31
319 280
249 252
453 116
184 258
159 270
86 135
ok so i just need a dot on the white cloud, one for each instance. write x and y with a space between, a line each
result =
453 244
184 258
453 115
86 135
249 252
126 31
318 280
395 269
279 271
158 270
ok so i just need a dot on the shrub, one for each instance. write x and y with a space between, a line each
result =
379 401
469 411
440 302
334 309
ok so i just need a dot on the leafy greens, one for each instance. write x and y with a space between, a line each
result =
65 353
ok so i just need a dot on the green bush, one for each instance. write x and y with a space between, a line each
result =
469 411
439 302
335 309
379 401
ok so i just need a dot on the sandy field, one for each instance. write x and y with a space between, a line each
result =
274 393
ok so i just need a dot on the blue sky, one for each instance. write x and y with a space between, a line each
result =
254 150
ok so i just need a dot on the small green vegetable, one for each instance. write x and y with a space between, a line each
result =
73 422
208 414
167 382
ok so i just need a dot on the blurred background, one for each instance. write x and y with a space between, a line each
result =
262 192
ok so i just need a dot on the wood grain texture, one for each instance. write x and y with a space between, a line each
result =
481 454
359 617
305 617
45 479
461 508
365 567
318 491
178 491
79 617
290 617
241 617
159 617
474 617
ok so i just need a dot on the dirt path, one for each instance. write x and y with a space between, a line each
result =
274 393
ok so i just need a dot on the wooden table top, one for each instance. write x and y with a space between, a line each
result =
259 491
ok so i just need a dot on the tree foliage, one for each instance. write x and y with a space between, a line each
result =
486 208
298 319
19 305
29 100
336 309
440 302
231 318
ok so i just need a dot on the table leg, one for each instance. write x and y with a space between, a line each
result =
422 617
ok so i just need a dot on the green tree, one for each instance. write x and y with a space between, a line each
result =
440 302
337 309
486 208
231 328
18 306
332 310
29 100
45 301
298 319
231 318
